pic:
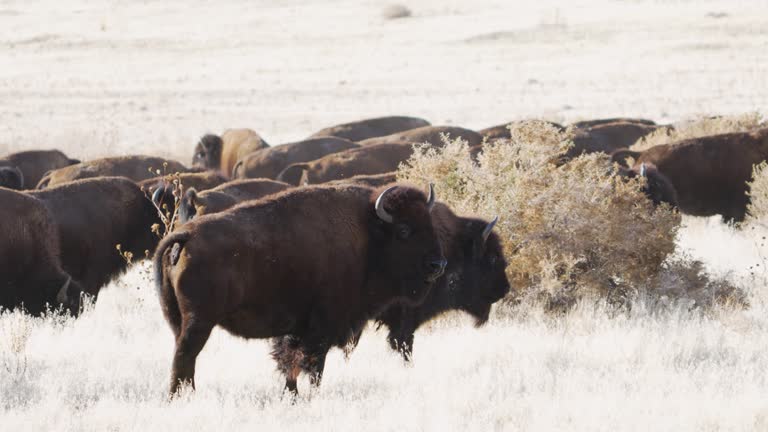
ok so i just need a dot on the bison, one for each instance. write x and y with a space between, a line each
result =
136 168
502 131
710 174
371 128
24 170
585 124
474 279
314 264
171 188
375 159
372 180
269 162
220 153
658 188
93 217
195 204
429 134
31 275
607 137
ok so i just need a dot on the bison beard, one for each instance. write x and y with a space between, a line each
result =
350 252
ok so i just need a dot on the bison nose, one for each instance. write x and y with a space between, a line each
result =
437 268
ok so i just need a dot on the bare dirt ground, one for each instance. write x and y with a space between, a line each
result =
118 77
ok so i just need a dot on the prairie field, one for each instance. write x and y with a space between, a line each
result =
112 77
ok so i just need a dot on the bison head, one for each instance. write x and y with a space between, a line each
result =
482 280
658 188
208 152
11 178
405 248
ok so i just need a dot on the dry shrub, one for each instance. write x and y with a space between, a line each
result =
701 127
757 209
570 232
395 11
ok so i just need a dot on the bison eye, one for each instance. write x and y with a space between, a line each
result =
403 231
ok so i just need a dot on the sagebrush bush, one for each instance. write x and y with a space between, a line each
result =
757 210
701 127
569 232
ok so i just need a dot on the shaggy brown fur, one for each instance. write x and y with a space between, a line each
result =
710 174
168 193
374 159
311 263
584 124
33 165
135 168
30 270
222 153
195 204
474 279
430 134
93 216
371 128
269 162
607 137
373 180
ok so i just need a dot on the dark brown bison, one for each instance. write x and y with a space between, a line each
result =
596 122
375 159
314 264
136 168
93 216
25 169
429 134
502 131
372 180
172 188
474 279
710 174
196 204
607 137
371 128
221 153
31 275
658 188
269 162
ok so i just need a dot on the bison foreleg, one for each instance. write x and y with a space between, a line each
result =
190 342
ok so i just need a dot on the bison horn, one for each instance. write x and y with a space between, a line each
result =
380 212
642 169
489 228
157 195
61 297
431 197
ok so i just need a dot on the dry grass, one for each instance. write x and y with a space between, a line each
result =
571 232
758 195
701 127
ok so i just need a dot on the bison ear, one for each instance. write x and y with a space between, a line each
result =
11 177
191 196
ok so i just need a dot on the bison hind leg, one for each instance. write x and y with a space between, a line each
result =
189 343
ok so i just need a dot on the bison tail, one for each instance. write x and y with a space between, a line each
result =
293 174
167 255
620 156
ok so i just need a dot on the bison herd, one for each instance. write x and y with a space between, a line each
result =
305 242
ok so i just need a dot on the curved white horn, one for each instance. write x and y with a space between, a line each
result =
642 169
61 297
431 197
489 228
380 212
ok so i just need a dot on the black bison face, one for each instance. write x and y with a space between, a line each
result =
208 152
11 178
483 280
407 247
658 188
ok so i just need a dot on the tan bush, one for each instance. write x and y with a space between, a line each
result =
757 211
569 232
700 127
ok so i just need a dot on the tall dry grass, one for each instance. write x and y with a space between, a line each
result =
569 232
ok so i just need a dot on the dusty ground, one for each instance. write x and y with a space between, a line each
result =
117 77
